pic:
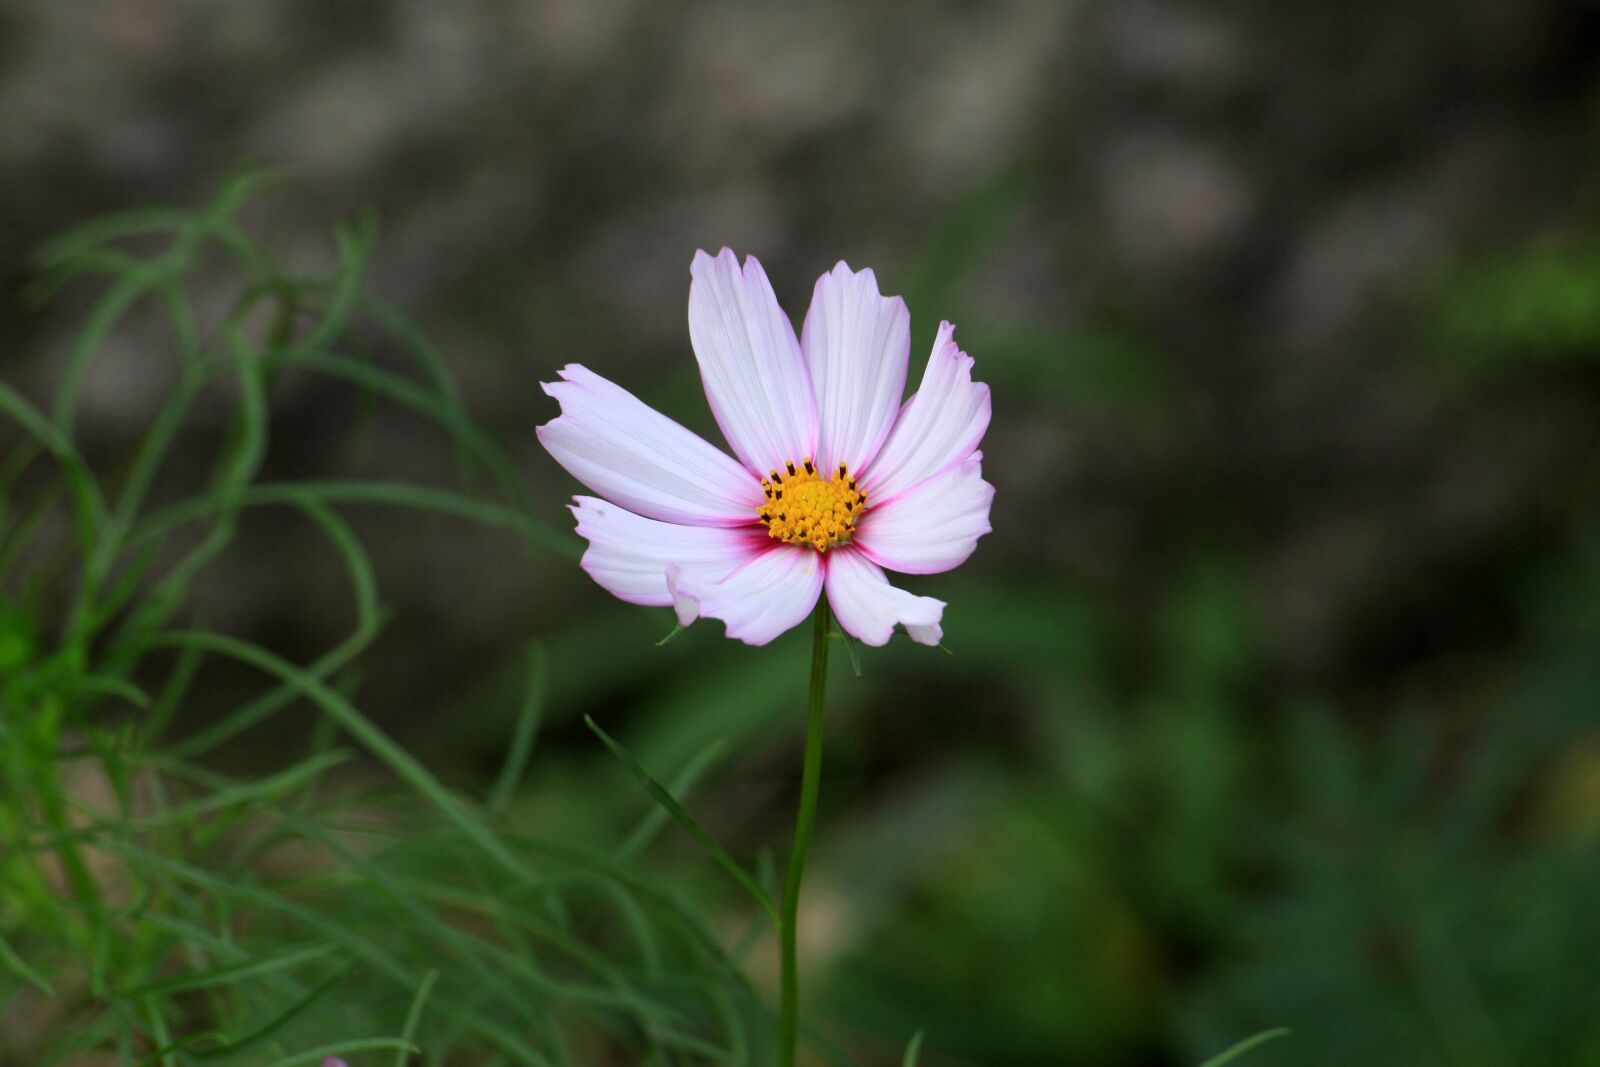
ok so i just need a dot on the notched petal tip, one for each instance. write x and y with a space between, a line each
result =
574 376
869 608
843 274
857 344
939 427
725 259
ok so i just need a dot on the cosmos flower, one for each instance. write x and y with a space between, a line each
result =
835 480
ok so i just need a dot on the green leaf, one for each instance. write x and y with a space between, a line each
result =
19 640
399 494
183 983
677 811
1249 1043
20 968
527 726
107 685
651 825
278 1022
184 1044
358 726
414 1016
849 647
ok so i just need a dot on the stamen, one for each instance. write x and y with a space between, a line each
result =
825 510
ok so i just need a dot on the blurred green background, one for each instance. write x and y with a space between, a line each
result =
1273 694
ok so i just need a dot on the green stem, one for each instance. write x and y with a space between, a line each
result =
810 779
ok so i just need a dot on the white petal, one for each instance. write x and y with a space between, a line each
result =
629 554
931 527
750 363
857 344
633 455
760 600
937 428
867 606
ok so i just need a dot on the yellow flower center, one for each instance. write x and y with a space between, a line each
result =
804 508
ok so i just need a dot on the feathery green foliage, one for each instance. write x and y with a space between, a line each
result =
158 910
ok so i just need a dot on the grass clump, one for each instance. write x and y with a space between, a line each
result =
156 910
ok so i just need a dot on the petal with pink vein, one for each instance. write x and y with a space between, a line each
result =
631 454
628 555
931 527
938 427
868 607
758 601
857 344
750 363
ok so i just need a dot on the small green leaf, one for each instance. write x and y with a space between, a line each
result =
849 647
1249 1043
677 811
272 1026
414 1016
913 1050
185 1044
20 968
522 738
106 685
227 975
18 640
651 825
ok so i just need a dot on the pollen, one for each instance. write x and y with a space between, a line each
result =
803 507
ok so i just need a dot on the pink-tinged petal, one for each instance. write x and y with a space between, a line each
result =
931 527
760 600
939 427
629 554
633 455
750 363
868 607
857 344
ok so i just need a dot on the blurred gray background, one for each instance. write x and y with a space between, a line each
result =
1251 186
